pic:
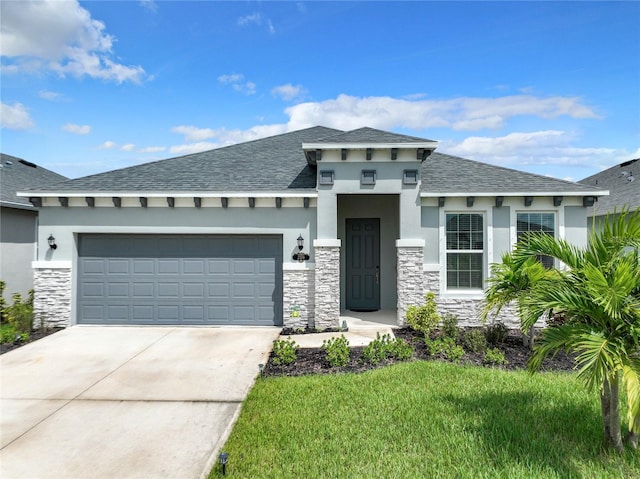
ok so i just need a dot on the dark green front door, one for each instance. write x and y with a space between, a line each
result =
363 264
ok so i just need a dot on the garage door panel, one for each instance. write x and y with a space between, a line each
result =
147 279
143 266
169 266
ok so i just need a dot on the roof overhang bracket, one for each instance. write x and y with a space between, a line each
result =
117 201
63 200
91 201
499 201
528 200
143 201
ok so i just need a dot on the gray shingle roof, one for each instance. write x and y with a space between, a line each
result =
370 135
278 164
17 174
275 163
622 192
443 173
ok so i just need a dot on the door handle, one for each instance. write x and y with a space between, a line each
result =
377 274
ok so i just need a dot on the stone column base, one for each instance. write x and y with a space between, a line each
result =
327 284
52 297
298 298
410 276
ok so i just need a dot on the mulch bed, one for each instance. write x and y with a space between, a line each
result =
34 336
312 360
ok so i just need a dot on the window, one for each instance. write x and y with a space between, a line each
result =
368 177
537 223
326 177
410 177
465 250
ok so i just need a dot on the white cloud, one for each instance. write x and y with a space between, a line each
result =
108 145
192 148
465 113
236 80
150 5
60 37
549 147
15 117
194 136
254 18
151 149
289 92
128 147
77 129
50 95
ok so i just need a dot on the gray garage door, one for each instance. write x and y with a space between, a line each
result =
180 279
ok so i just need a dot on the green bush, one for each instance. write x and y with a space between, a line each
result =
383 347
7 333
450 326
401 350
20 314
495 357
337 351
424 318
284 351
475 341
444 348
377 350
496 333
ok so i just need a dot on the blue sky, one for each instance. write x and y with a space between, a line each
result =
547 87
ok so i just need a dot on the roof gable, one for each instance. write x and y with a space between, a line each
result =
371 136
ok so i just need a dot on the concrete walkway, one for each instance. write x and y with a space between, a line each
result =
125 402
362 328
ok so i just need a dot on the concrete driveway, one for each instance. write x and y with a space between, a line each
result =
125 402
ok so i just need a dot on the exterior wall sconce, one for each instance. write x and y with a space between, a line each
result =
52 242
300 256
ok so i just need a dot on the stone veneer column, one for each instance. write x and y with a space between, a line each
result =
52 294
410 284
298 295
327 283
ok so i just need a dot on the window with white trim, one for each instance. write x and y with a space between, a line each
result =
538 223
465 250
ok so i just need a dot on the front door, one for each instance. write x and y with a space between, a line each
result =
363 264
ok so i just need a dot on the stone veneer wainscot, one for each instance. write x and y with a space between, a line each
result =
52 294
410 282
298 286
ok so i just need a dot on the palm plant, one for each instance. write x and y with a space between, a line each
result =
598 289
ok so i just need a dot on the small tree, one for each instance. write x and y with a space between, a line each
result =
599 293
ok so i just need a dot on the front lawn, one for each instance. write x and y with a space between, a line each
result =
422 419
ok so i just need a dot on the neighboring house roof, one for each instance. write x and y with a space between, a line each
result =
17 174
623 182
446 174
278 164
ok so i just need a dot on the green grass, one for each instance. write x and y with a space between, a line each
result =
422 419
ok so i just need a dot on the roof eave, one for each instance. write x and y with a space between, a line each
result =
175 194
513 193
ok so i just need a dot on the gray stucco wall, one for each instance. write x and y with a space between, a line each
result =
64 222
430 232
501 232
384 207
575 224
17 249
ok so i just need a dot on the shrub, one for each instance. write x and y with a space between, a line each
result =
475 341
444 348
496 333
383 347
337 351
376 350
20 314
424 318
7 333
450 326
495 357
284 351
401 350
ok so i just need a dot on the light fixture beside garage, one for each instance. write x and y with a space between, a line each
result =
300 256
52 242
